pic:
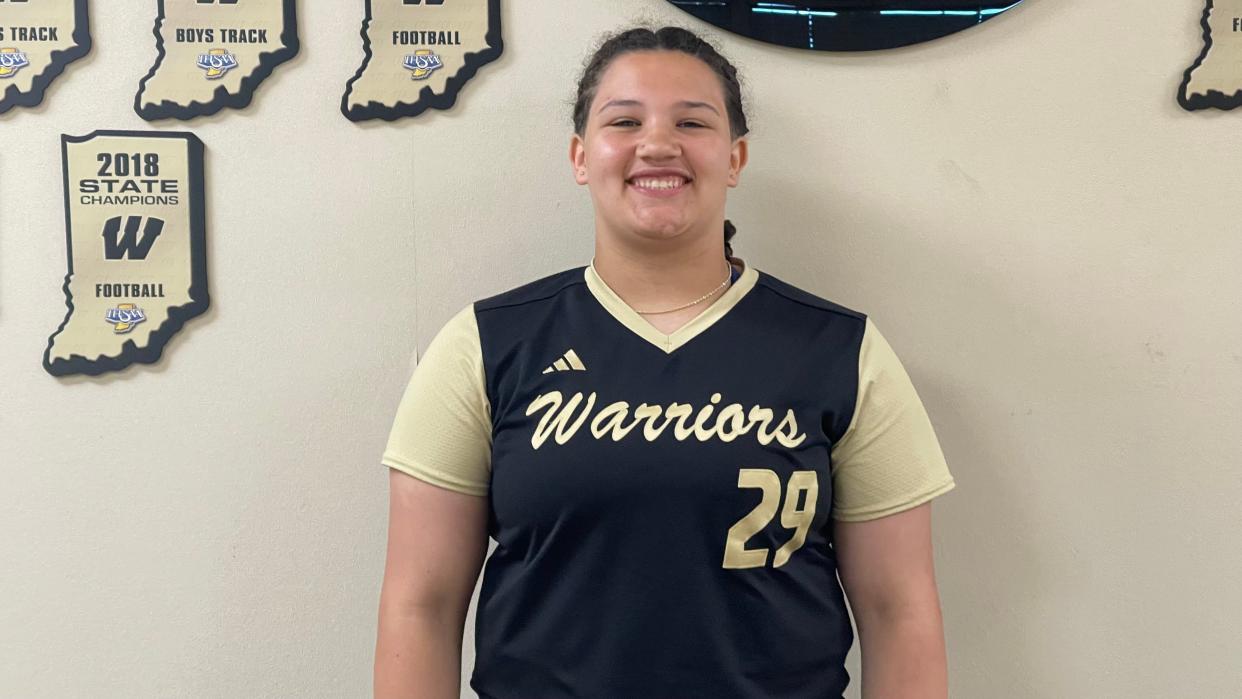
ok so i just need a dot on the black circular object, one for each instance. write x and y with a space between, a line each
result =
845 25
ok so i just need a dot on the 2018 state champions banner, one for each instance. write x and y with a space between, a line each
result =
38 38
419 54
137 248
213 54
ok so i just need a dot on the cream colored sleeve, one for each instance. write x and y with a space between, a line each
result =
889 459
442 433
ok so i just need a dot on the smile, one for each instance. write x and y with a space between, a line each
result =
659 185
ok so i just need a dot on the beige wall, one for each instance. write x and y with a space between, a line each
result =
1049 243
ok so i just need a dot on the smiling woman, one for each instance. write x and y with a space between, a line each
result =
658 154
655 551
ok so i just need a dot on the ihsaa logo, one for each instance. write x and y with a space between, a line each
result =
11 61
217 62
124 317
423 63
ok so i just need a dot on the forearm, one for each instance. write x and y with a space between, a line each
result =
903 655
418 655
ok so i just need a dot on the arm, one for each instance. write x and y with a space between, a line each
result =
437 539
886 570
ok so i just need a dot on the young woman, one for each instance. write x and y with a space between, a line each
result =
675 452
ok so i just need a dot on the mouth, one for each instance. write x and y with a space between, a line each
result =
659 185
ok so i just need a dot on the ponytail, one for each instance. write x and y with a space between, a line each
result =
729 231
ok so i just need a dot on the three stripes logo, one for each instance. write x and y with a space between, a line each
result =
568 362
119 247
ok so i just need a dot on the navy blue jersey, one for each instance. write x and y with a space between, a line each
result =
662 505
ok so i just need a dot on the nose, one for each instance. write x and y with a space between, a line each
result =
659 142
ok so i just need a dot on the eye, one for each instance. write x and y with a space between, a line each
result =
624 122
695 124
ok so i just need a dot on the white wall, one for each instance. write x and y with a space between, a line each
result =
1048 241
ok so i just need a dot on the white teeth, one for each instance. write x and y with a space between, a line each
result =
659 182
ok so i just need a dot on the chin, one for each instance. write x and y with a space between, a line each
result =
660 231
660 226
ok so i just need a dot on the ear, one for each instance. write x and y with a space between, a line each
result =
577 158
737 160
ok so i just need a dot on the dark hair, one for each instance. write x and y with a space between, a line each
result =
663 39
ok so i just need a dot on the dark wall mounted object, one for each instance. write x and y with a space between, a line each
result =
845 25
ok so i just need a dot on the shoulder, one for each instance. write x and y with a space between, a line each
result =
458 337
538 290
791 294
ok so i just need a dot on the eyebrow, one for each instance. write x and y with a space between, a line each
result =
685 104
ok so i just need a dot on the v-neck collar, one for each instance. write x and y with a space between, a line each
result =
637 324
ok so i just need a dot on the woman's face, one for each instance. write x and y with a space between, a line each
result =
657 152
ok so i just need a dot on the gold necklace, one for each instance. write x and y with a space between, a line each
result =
723 284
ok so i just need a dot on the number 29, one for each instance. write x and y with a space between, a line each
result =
736 555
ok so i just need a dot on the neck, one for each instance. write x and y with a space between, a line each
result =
655 280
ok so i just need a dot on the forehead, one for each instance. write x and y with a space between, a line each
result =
654 76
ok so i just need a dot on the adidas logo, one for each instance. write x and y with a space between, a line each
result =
568 362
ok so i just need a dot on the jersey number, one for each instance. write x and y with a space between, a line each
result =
736 555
